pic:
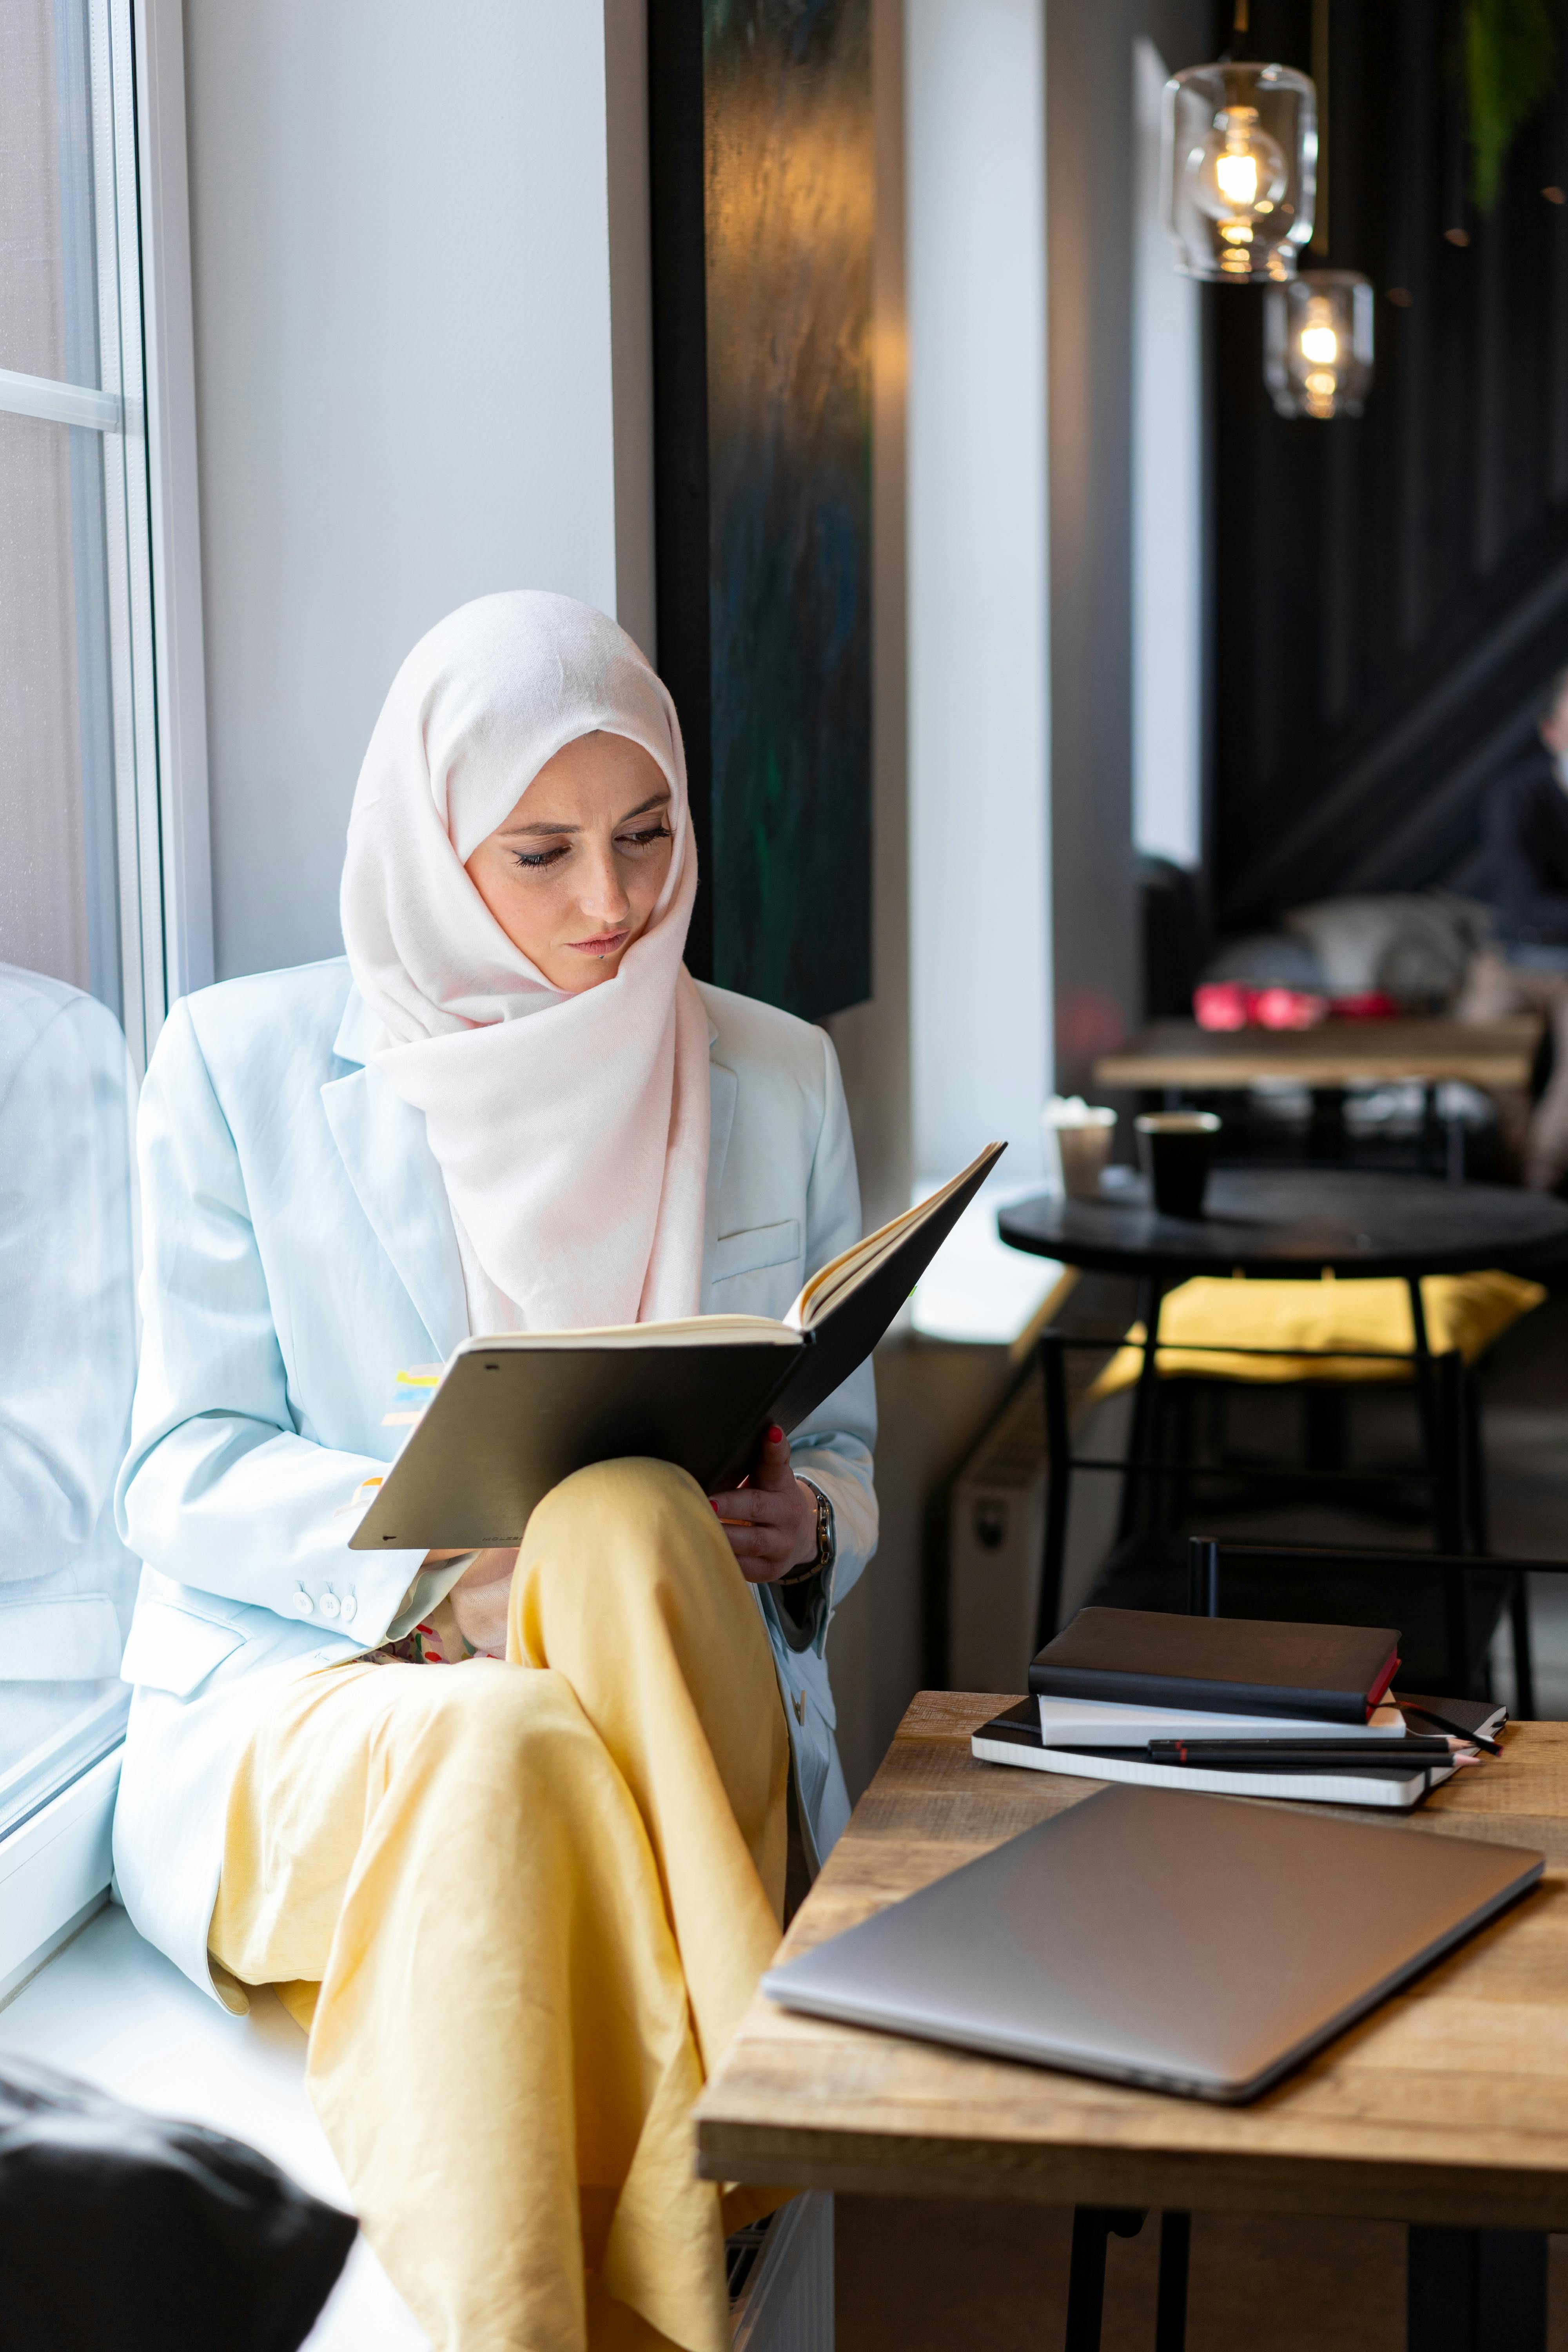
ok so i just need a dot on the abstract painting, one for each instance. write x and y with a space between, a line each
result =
762 223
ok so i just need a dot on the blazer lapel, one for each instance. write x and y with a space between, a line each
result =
393 1171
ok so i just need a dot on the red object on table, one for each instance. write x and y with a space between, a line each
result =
1237 1005
1372 1004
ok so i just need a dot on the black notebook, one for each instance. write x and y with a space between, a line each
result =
510 1416
1230 1666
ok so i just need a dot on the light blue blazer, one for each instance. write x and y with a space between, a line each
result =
298 1252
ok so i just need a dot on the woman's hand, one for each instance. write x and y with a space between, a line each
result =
482 1596
771 1521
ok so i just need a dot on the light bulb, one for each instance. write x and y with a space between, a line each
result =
1237 178
1319 341
1238 172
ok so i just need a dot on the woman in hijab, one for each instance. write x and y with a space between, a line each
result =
521 1900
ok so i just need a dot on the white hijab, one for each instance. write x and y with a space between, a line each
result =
572 1130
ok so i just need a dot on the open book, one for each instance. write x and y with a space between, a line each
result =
510 1416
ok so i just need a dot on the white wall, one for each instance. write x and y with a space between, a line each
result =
1167 494
979 854
406 381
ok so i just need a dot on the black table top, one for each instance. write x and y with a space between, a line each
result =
1300 1222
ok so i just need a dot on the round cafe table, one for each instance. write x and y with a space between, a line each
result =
1286 1223
1300 1222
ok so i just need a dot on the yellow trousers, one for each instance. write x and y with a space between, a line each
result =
524 1906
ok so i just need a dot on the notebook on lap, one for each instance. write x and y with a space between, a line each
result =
1186 1943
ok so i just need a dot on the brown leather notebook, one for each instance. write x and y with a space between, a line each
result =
1234 1665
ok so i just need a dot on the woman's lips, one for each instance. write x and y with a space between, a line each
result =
606 945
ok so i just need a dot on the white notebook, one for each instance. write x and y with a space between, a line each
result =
1091 1722
1015 1739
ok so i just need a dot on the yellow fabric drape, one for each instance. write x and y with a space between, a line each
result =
531 1901
1468 1311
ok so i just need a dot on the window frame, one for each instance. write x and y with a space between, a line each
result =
56 1863
145 411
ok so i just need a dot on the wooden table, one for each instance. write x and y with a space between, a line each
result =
1448 2107
1174 1058
1497 1056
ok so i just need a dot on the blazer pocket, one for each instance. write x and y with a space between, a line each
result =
757 1248
171 1650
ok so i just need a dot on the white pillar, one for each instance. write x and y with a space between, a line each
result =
979 796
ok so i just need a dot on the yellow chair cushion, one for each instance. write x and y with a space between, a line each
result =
1466 1311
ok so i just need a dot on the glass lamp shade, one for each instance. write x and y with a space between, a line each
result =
1317 344
1240 170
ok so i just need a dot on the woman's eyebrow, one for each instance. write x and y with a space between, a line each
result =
643 808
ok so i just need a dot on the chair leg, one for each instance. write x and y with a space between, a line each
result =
1476 1462
1091 2226
1140 1489
1058 1490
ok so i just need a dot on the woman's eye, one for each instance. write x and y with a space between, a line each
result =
659 832
534 861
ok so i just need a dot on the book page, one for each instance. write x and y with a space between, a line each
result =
833 1281
682 1331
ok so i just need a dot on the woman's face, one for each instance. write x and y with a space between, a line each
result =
573 874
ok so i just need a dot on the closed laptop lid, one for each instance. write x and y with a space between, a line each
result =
1189 1943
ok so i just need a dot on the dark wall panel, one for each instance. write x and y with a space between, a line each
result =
1391 592
762 225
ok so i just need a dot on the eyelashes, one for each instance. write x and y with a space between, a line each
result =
540 861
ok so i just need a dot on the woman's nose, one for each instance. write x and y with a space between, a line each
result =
604 893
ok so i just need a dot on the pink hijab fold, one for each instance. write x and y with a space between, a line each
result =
571 1131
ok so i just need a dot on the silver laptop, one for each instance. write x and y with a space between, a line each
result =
1197 1944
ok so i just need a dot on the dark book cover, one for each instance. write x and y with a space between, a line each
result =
1235 1665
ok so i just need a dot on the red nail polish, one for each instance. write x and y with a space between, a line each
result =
776 1435
712 1505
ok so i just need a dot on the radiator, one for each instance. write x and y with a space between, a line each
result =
996 1528
785 2301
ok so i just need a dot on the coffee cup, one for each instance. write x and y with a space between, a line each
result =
1077 1137
1176 1150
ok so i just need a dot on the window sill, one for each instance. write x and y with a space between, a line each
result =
55 1871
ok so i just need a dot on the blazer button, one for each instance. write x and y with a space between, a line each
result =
347 1606
329 1604
302 1604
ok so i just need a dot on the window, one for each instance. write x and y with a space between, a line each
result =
84 926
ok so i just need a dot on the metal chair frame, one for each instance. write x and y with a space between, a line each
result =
1454 1471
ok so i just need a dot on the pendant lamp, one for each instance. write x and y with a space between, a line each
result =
1239 168
1318 330
1317 344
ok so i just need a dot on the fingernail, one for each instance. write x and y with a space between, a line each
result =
712 1506
776 1435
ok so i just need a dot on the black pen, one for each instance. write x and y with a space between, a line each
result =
1300 1753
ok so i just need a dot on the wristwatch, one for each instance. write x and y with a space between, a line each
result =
826 1540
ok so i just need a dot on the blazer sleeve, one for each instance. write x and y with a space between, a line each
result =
219 1490
835 1451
